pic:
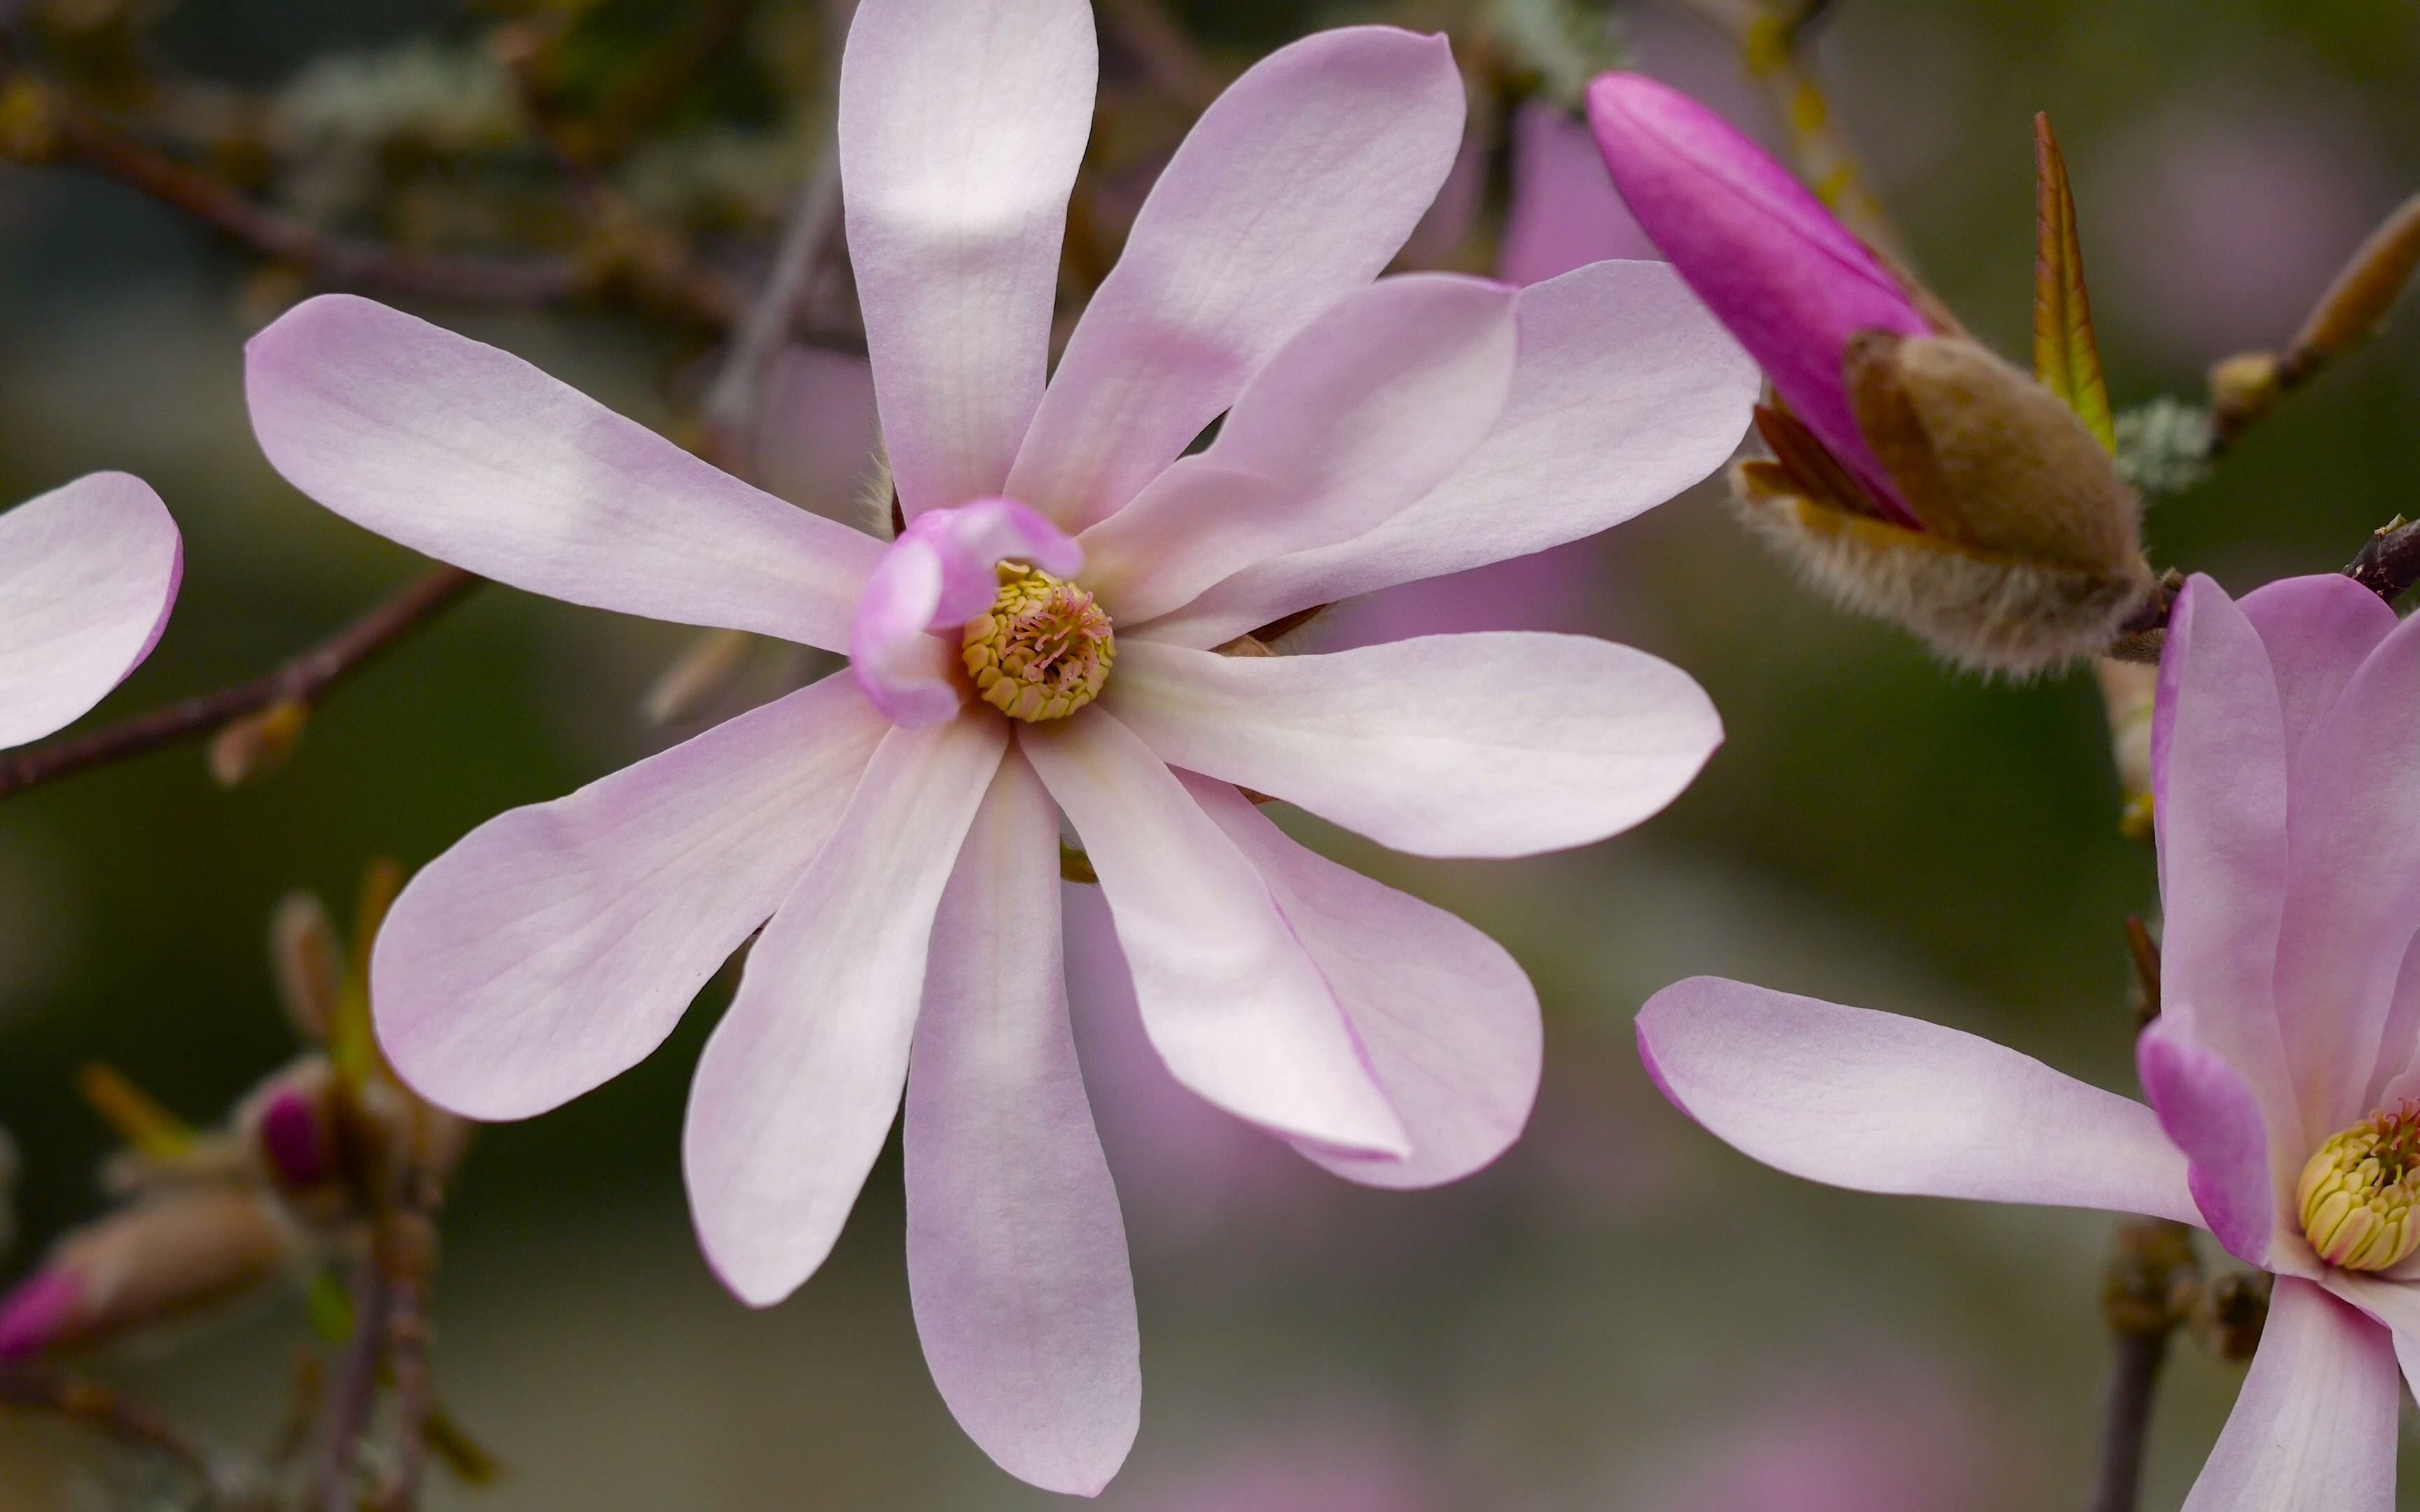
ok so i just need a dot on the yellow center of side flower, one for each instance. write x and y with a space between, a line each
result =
1043 648
2356 1195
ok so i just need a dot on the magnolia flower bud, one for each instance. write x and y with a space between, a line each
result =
1915 475
1791 282
308 961
159 1260
2024 555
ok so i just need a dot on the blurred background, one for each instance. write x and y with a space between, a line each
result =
1623 1314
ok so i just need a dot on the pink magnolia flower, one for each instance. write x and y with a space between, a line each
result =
2281 1073
87 574
1785 277
1039 642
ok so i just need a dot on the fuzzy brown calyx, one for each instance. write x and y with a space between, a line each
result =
2026 555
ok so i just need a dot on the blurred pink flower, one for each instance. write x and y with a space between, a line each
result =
903 837
2282 1073
1783 276
1564 212
87 574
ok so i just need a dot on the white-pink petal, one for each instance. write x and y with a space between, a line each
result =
1877 1103
1447 1019
555 945
2313 1429
795 1091
1627 393
961 126
1354 418
1016 1254
1231 1001
470 454
2353 882
1492 744
88 572
1295 188
2222 829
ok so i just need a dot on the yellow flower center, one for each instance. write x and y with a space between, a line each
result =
2357 1194
1043 648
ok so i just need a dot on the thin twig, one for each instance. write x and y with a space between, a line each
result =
48 125
2152 1278
105 1413
734 405
1158 40
351 1394
2388 562
403 1248
303 680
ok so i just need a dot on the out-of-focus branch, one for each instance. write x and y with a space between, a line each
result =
1771 35
351 1395
734 405
403 1249
40 123
1160 42
300 682
105 1413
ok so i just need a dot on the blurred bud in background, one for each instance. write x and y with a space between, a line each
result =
173 1254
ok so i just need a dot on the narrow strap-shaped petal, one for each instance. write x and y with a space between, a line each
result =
2214 1117
470 454
2313 1429
1016 1254
798 1085
2221 824
555 945
1295 188
1877 1103
2353 887
939 574
1231 1001
88 572
1502 744
1626 394
1353 420
961 126
1447 1019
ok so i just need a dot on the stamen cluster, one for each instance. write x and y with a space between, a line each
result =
2356 1195
1043 648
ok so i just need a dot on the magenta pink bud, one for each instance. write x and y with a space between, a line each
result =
292 1140
1791 282
39 1312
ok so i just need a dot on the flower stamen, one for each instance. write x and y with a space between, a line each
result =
1042 650
2357 1194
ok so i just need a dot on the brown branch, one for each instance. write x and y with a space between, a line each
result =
40 123
2388 562
403 1247
301 681
105 1413
2152 1276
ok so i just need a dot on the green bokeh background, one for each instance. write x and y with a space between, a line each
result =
1624 1301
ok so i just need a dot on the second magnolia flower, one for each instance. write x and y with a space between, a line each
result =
1044 638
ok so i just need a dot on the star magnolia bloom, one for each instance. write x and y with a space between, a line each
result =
1040 640
1786 277
87 574
2282 1071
